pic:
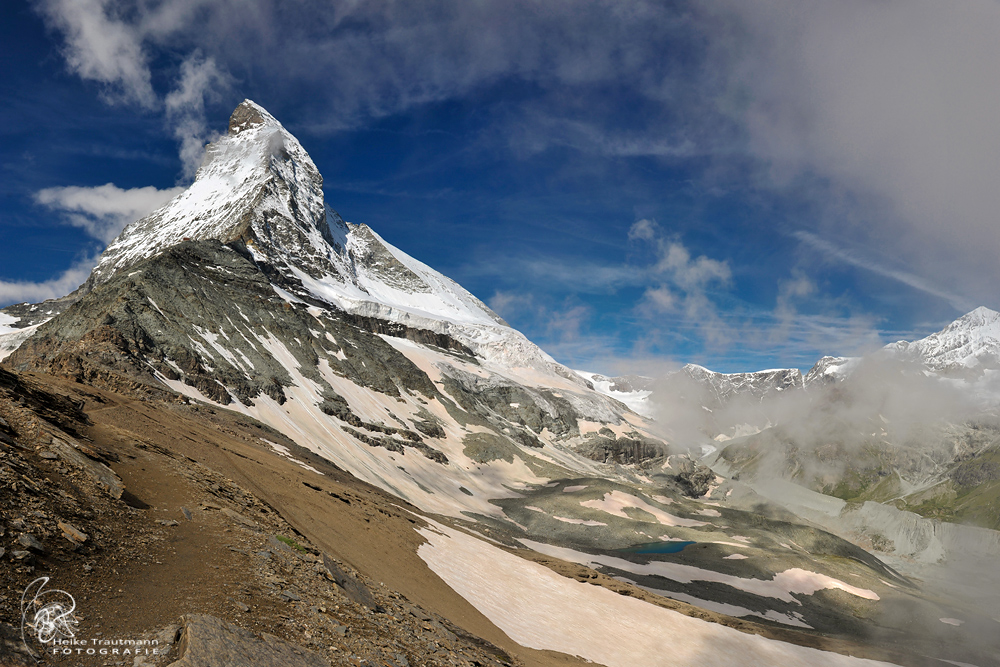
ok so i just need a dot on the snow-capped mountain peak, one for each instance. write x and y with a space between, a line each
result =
971 341
256 184
258 187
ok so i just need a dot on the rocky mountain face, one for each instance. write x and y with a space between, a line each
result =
724 387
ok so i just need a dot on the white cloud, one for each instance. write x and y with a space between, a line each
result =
658 300
100 47
110 42
675 261
200 79
682 283
104 210
867 263
644 230
17 291
893 102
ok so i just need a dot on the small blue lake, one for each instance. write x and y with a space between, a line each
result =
659 548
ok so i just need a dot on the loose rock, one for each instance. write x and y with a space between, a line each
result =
72 533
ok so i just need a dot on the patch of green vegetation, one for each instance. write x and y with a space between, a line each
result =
876 483
970 495
290 542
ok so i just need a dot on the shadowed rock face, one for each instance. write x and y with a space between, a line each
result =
160 321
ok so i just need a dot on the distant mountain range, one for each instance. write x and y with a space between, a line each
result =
967 349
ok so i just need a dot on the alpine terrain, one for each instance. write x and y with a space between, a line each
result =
259 430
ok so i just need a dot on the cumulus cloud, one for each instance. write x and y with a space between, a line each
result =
658 300
17 291
100 47
103 211
682 283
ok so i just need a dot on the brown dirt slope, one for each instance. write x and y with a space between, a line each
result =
213 521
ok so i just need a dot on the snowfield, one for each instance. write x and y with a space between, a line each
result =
540 609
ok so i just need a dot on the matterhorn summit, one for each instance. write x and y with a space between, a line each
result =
256 185
259 189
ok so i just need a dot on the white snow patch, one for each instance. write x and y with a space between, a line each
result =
539 609
575 488
283 451
6 321
579 522
615 503
150 299
780 587
11 338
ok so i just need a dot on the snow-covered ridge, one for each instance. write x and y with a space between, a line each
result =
831 369
971 341
756 384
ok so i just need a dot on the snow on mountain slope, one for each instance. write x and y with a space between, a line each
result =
11 335
5 323
757 384
631 390
831 369
971 341
259 186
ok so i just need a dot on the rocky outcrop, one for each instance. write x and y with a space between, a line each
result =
185 315
206 641
633 449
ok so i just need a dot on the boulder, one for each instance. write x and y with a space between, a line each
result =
207 641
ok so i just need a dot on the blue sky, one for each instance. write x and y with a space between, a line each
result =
740 184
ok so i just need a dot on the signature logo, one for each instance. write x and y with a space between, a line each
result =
46 615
